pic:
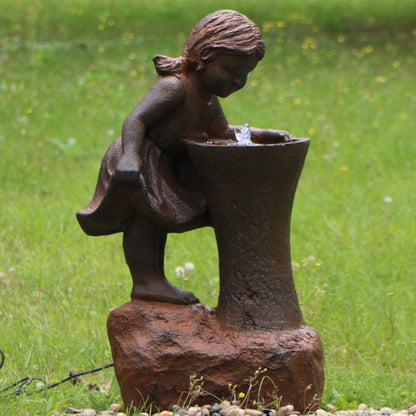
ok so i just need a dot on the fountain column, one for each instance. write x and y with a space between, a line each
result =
250 192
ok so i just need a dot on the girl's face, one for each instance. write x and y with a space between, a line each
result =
226 74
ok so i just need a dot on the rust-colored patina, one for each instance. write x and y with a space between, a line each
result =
156 347
177 167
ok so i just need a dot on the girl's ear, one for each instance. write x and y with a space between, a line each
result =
203 59
200 66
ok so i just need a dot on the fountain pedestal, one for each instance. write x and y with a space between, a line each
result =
157 347
250 192
258 322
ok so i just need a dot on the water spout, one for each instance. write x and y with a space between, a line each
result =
243 136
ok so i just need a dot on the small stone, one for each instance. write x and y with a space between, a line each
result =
342 413
205 411
72 410
106 413
115 407
121 414
192 411
88 412
321 412
412 410
331 408
225 404
253 412
268 412
177 410
165 413
224 412
286 409
215 408
235 411
386 411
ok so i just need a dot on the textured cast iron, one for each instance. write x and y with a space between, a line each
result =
250 191
176 167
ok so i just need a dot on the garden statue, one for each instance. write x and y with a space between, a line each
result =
179 166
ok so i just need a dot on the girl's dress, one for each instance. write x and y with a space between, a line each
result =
167 193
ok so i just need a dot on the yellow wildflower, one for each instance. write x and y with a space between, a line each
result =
380 78
368 49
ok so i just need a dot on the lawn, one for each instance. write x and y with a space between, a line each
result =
341 72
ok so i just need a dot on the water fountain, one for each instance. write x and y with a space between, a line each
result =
258 321
242 182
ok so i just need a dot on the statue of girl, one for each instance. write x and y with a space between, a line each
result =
146 186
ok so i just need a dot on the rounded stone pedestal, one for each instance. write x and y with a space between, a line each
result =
157 347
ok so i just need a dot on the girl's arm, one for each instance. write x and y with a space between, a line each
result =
219 127
164 96
268 136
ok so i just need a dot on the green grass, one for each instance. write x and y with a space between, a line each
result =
340 72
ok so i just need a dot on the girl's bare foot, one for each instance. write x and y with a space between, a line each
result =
162 291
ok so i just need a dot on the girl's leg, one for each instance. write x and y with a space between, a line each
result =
144 250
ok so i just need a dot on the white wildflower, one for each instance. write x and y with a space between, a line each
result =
180 271
189 266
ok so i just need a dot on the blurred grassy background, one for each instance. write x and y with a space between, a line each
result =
340 72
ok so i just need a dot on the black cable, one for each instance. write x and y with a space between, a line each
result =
27 381
95 370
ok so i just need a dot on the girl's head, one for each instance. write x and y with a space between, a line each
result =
225 32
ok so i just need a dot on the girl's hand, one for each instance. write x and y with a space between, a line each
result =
128 168
270 136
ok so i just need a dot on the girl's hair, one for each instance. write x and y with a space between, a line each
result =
222 32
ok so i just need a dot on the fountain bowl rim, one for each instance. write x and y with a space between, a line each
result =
232 144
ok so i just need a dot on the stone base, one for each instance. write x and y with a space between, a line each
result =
157 346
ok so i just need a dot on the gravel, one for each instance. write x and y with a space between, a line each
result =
226 409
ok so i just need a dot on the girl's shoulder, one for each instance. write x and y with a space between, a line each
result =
166 91
170 85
